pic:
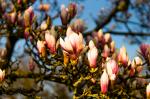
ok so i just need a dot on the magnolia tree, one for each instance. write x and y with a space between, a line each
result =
88 64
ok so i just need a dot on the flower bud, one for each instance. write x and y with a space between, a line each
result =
104 81
28 16
78 26
143 49
148 91
43 25
92 55
2 75
123 57
51 42
100 35
107 38
112 46
137 61
64 15
106 51
112 67
41 47
44 7
72 9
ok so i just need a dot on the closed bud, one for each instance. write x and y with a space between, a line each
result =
148 91
92 55
100 35
28 16
64 15
106 51
112 67
72 9
2 75
112 46
104 81
78 26
107 38
41 47
144 49
137 61
51 42
123 57
44 7
44 25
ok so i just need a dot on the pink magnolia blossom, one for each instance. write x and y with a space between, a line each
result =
106 51
123 57
64 15
148 91
72 44
137 61
51 42
144 49
112 46
92 55
28 16
104 81
107 38
2 75
112 67
41 47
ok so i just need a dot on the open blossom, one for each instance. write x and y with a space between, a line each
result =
148 91
123 57
92 54
72 44
51 42
41 47
2 75
112 67
104 81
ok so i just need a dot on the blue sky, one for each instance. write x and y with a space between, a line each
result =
91 9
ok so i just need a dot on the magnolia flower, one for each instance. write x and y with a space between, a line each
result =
51 42
112 67
72 9
28 16
104 81
2 75
112 46
100 35
43 25
144 49
64 15
41 47
72 44
106 51
107 38
123 57
137 61
92 54
148 91
78 26
44 7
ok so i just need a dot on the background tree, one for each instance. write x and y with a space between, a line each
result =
84 64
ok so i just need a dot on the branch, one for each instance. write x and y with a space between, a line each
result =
123 33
